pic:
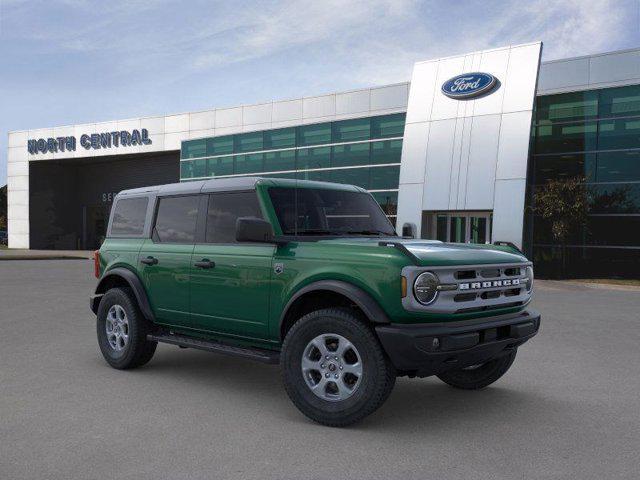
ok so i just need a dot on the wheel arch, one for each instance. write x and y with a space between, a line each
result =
123 277
330 290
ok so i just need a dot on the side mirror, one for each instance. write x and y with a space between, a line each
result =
408 230
252 229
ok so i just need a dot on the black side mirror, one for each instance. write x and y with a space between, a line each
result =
252 229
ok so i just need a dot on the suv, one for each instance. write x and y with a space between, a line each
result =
312 276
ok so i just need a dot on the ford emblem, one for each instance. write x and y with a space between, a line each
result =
469 85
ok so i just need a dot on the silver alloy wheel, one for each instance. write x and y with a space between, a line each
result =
332 367
117 327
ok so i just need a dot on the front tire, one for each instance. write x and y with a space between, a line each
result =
334 368
122 330
479 376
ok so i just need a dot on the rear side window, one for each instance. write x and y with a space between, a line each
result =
128 217
176 219
224 210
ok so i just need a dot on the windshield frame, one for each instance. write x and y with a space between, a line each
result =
385 230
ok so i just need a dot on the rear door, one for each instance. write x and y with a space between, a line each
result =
165 259
230 281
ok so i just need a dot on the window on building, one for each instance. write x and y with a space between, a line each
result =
176 219
350 155
384 178
248 142
194 148
318 157
128 216
223 211
279 161
315 134
249 163
388 151
220 166
220 145
280 138
387 126
351 130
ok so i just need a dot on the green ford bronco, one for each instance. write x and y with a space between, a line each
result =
312 276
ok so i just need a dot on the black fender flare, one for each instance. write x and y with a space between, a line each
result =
362 299
134 283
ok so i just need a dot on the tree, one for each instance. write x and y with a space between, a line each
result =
565 204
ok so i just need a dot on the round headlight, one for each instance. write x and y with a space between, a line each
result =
425 288
529 275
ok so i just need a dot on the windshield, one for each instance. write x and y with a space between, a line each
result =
317 211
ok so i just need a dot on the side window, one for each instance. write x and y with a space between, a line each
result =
128 217
176 219
224 210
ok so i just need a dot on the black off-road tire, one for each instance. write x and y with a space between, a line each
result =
480 377
378 376
138 350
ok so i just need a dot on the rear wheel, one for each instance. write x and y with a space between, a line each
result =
479 376
122 330
334 368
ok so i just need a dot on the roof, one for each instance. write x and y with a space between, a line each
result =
231 184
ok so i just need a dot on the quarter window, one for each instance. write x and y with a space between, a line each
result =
224 209
128 216
176 219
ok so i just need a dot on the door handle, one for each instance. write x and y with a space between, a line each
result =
205 263
149 260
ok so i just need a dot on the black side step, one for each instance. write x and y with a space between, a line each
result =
260 355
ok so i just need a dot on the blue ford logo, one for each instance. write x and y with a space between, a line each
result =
469 85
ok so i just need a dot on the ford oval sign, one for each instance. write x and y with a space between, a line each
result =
468 85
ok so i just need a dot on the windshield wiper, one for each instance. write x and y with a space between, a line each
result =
316 231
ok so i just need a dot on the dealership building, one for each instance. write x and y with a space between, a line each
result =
459 153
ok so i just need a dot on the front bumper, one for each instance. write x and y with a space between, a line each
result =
430 349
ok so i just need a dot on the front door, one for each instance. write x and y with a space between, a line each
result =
230 281
165 259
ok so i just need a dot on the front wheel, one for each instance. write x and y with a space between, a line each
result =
479 376
334 369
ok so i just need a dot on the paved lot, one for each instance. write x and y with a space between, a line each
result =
569 408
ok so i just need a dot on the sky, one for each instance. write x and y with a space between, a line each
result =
65 62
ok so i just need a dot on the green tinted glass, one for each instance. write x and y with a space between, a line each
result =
351 176
349 155
566 107
220 145
314 134
194 148
388 126
620 102
186 169
388 151
573 137
275 161
318 157
383 178
280 138
250 163
618 167
220 166
571 165
319 176
352 130
388 201
248 142
614 134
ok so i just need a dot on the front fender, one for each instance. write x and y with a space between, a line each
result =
362 299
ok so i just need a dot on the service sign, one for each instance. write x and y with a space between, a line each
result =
469 85
93 141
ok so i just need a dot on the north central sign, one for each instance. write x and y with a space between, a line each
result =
469 85
93 141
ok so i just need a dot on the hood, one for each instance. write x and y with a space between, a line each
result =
436 253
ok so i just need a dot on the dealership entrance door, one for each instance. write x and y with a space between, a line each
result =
458 227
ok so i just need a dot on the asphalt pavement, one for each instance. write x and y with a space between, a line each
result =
569 407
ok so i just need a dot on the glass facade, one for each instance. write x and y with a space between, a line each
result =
363 151
592 136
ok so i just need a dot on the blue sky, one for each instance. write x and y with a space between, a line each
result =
72 61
